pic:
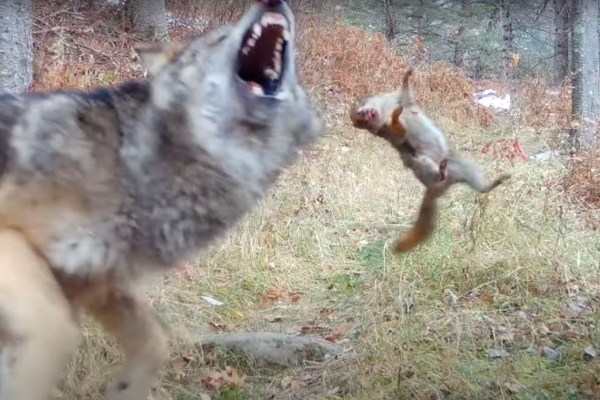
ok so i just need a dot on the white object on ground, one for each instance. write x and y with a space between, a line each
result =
489 99
212 300
545 156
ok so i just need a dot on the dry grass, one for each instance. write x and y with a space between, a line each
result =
514 272
342 63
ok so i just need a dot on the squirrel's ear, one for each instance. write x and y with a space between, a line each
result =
155 56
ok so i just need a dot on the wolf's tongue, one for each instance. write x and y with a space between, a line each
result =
256 88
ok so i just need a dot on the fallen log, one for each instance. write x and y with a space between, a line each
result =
266 349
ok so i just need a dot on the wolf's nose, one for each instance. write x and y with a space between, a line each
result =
272 3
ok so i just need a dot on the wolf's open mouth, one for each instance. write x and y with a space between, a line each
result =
261 61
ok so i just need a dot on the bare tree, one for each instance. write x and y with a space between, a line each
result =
16 49
562 26
458 38
507 40
149 18
390 20
586 72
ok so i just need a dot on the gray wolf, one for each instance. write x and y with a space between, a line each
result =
423 148
100 188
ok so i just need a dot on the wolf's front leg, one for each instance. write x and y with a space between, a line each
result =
38 329
142 338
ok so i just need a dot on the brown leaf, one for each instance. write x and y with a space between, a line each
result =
295 297
179 366
326 313
315 329
486 298
450 298
590 386
339 332
211 382
217 379
217 326
286 382
276 295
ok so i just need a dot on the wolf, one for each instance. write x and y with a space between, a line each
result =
101 188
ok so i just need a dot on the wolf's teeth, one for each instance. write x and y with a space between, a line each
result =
257 30
271 74
273 19
251 42
279 46
246 50
277 66
286 35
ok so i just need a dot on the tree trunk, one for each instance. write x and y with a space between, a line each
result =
459 45
390 20
421 17
507 50
507 40
562 26
16 49
586 71
493 19
149 19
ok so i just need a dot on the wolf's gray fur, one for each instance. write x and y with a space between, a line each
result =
157 169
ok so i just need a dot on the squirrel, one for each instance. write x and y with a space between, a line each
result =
423 148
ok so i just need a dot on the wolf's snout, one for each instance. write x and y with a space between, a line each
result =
272 3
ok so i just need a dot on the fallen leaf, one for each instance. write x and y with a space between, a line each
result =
510 387
326 313
486 298
551 354
590 386
218 379
340 331
497 353
450 298
503 334
295 297
278 295
212 301
589 353
286 382
179 365
513 387
576 308
289 382
315 329
543 330
204 396
217 326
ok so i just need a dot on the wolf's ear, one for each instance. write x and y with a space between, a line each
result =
155 56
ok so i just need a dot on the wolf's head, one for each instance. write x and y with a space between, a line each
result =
237 89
